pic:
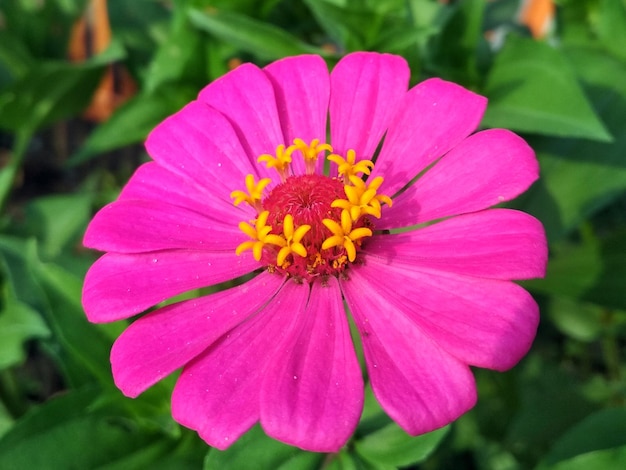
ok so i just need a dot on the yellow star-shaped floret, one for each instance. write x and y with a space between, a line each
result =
310 152
347 166
362 198
254 194
292 243
343 235
260 235
280 162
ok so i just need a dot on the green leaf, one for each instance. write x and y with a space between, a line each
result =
550 402
87 345
43 27
180 56
56 294
6 421
263 40
454 52
532 88
394 447
18 323
580 177
353 25
579 320
612 27
50 91
604 429
17 273
592 271
58 220
72 432
255 450
14 57
597 460
130 124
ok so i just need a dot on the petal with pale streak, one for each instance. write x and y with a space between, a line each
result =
302 89
365 91
487 168
153 182
246 97
200 144
434 116
217 394
118 285
312 397
495 243
419 385
160 342
136 226
483 322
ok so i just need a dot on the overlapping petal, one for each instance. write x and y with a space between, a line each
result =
217 394
433 118
366 91
487 168
199 143
302 89
160 342
246 97
153 182
137 226
118 285
312 396
496 243
485 323
420 385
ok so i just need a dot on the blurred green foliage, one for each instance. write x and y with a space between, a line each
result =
563 407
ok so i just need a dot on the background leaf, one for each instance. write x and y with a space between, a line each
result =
394 447
256 450
264 41
531 88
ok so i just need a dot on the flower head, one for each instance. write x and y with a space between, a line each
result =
237 188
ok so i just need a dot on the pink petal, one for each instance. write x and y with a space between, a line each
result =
152 182
482 322
313 396
200 144
496 243
433 117
246 97
366 90
417 383
302 89
217 394
160 342
139 226
486 169
118 286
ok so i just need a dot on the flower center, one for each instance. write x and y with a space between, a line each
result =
310 225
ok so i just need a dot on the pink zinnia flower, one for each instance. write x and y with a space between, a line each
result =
238 188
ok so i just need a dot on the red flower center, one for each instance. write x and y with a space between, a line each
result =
311 225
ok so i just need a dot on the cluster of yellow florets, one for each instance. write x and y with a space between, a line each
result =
305 227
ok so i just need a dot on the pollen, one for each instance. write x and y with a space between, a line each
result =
254 194
348 166
280 162
260 235
293 240
310 152
311 225
362 198
344 236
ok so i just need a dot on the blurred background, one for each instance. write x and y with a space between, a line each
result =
82 82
